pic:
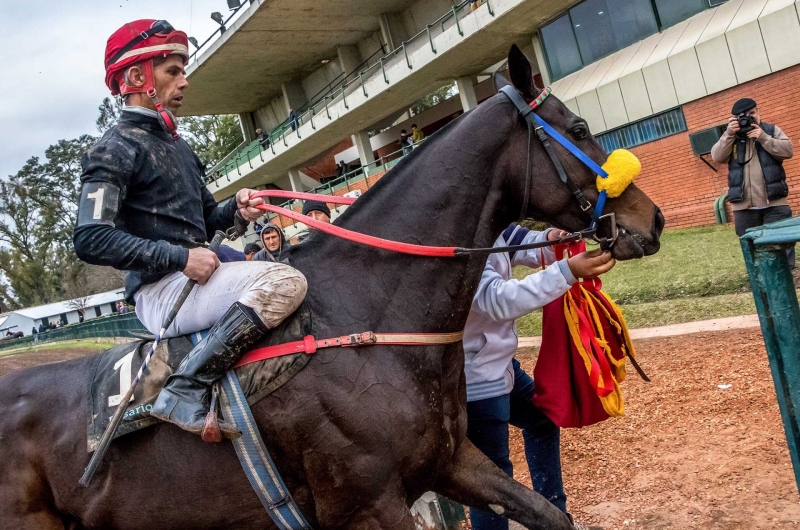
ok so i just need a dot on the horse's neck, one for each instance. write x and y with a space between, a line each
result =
446 193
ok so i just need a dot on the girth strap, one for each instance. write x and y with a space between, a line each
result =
256 461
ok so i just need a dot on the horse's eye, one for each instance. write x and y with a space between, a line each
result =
580 132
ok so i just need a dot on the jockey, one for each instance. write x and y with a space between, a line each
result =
145 209
499 391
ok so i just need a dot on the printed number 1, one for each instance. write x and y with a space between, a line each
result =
124 367
97 197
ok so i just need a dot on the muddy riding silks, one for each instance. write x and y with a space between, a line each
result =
585 338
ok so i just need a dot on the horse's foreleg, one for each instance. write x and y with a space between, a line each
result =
472 479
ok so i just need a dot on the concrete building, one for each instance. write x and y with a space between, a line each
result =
645 74
65 312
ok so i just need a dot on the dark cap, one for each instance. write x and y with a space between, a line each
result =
318 206
743 105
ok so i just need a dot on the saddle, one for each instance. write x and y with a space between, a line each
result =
113 370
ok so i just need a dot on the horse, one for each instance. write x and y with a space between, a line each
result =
360 433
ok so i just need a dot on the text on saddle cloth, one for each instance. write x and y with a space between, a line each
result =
113 371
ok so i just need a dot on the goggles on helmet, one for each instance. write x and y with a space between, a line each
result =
160 27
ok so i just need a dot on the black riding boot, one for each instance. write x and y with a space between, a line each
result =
184 400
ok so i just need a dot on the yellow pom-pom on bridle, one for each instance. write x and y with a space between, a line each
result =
622 167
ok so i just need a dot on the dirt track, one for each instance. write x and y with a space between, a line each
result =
687 454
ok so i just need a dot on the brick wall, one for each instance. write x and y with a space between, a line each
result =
682 185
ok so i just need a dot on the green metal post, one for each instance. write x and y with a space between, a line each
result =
764 251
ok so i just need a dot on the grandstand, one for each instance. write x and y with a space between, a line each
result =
645 74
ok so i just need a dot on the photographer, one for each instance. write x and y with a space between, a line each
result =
755 152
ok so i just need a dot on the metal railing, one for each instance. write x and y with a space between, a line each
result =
340 92
111 326
350 179
765 255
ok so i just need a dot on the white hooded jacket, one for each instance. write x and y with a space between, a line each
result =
490 335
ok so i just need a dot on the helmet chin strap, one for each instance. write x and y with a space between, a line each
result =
165 117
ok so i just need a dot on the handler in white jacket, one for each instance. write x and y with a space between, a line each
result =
499 392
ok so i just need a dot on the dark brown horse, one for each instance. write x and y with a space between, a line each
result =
358 434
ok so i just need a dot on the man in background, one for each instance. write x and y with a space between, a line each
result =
317 210
754 151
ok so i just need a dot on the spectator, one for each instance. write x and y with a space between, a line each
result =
405 142
342 168
274 244
51 325
293 119
755 151
317 210
35 335
475 4
42 327
80 317
123 308
250 250
263 138
416 134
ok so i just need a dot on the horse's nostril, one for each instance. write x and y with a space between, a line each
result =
659 224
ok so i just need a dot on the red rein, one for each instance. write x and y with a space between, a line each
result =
372 241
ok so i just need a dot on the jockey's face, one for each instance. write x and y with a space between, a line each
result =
170 81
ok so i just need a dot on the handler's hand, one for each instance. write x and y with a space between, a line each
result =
556 233
733 125
201 264
591 263
247 205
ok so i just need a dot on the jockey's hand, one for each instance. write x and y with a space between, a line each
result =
591 264
201 264
556 233
247 205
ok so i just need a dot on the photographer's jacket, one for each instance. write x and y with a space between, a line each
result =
760 181
143 202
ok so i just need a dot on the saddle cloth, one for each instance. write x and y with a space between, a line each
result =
113 371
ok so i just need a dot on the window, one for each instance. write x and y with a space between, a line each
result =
97 311
604 26
562 49
670 12
643 131
594 29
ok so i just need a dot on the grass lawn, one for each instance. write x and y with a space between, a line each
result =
698 274
86 345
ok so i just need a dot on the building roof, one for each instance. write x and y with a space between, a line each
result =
56 308
274 42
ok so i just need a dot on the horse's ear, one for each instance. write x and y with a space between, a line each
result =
521 72
499 81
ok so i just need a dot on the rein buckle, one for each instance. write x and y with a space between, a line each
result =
358 339
606 243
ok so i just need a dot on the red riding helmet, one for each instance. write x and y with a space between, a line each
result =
139 42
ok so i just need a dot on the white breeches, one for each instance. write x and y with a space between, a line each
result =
273 290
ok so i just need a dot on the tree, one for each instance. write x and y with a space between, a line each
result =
110 111
30 258
211 137
434 98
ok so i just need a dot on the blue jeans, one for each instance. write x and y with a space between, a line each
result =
487 428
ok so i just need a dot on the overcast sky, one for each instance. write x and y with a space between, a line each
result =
51 64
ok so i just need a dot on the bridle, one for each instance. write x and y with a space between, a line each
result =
544 131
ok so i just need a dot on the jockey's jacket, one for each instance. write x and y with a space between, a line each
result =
490 335
143 202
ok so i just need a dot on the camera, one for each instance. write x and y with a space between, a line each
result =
745 123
